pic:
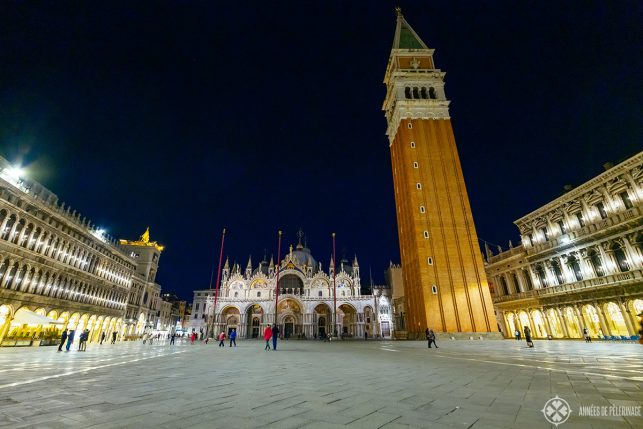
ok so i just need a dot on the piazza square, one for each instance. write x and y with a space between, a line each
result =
314 384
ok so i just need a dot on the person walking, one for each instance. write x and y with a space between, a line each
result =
588 338
63 338
528 336
113 337
82 345
233 337
517 334
365 335
70 339
430 336
275 335
192 337
222 339
102 337
172 339
267 335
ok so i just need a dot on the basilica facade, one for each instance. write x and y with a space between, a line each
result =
580 264
309 300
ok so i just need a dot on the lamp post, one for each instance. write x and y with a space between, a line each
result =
277 277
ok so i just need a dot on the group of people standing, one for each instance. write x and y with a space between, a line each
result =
68 336
271 332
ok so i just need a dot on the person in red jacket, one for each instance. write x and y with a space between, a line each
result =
267 335
221 339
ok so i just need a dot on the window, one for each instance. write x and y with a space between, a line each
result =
601 210
416 165
426 234
531 239
320 293
423 93
545 235
407 92
416 92
236 294
413 144
561 225
430 260
581 222
434 289
422 209
418 185
258 294
409 125
432 95
627 202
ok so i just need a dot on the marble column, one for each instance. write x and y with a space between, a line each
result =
601 318
625 312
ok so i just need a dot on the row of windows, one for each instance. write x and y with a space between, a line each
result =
420 93
20 277
600 209
18 231
54 223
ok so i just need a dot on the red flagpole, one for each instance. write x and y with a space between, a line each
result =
277 284
216 289
334 291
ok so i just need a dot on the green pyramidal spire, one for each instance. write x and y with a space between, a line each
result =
405 36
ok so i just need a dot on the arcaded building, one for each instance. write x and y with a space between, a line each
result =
58 270
445 285
307 300
580 264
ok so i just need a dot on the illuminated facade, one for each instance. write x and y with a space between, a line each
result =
246 300
580 264
58 270
444 279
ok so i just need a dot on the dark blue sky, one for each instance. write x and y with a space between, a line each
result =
192 116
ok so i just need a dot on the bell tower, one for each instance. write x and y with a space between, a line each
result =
444 279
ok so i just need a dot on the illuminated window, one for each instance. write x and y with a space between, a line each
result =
416 165
434 289
422 209
409 125
581 222
418 185
626 199
413 144
430 260
601 210
426 234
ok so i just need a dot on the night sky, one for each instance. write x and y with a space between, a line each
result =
258 116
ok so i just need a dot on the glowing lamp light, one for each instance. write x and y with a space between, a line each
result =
15 172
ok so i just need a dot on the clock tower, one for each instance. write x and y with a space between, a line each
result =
444 279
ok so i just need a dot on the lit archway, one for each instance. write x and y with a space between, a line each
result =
556 328
524 322
592 320
572 324
347 319
539 324
615 319
324 320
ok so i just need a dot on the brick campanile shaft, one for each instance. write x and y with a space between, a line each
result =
445 284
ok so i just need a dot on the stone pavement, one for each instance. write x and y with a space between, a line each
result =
464 384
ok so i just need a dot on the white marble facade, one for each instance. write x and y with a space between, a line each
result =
247 300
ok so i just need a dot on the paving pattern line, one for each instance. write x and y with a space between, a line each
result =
543 368
86 369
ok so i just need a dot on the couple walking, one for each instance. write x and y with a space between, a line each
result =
268 333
